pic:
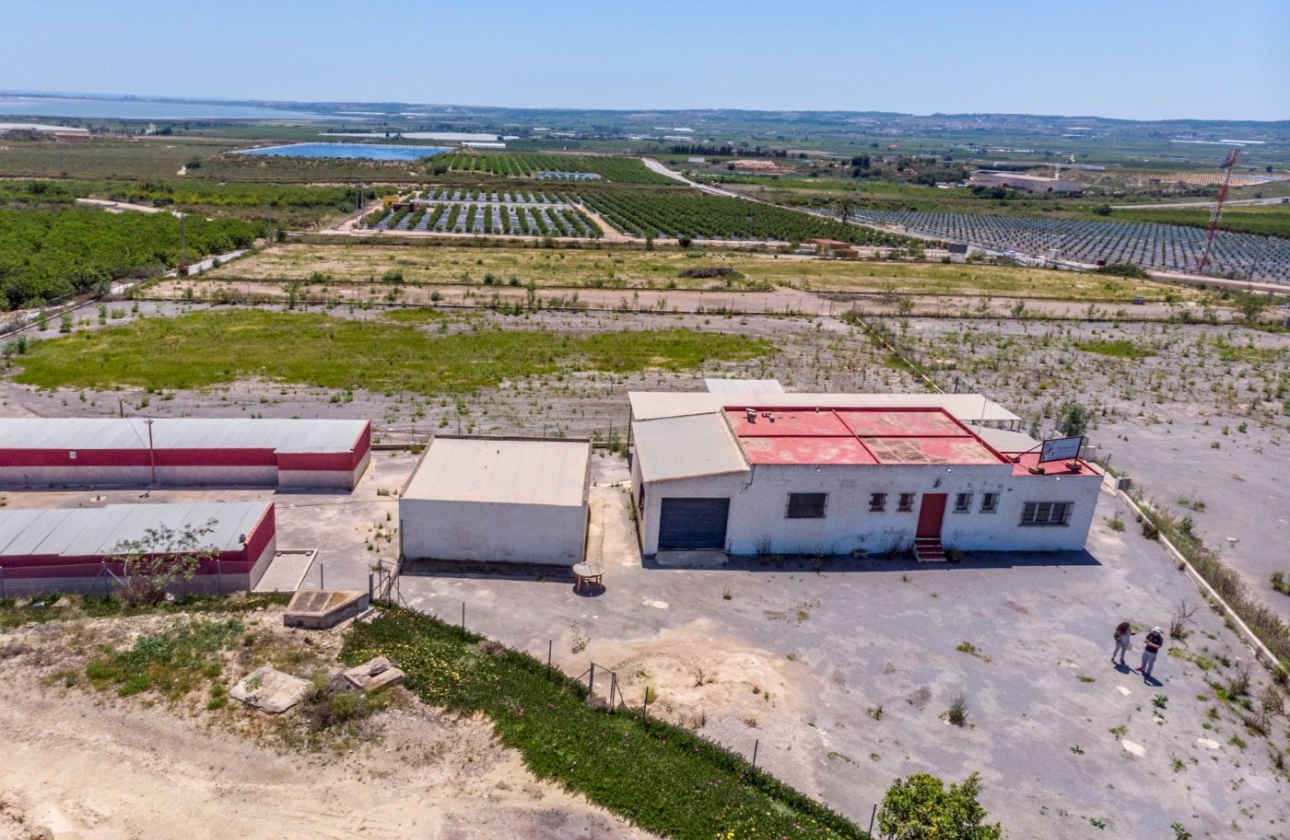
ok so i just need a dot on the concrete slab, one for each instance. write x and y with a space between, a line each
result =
286 571
270 690
318 609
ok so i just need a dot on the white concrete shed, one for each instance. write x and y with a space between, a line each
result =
511 500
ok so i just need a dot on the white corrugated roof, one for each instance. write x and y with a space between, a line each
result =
185 433
685 447
79 532
743 386
504 471
967 408
1006 441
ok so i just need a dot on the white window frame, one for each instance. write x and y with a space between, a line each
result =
1046 514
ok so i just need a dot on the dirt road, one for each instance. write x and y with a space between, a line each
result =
80 765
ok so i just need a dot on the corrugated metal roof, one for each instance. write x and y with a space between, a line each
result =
1006 441
685 447
967 408
744 386
501 470
80 532
185 433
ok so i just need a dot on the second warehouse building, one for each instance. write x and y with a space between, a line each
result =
504 500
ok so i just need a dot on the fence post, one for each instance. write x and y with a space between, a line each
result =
872 814
647 709
549 644
107 587
591 681
369 587
756 743
4 597
219 578
322 575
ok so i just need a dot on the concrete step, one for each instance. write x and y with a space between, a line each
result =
929 550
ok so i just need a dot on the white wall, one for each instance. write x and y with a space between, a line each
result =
261 476
759 503
489 531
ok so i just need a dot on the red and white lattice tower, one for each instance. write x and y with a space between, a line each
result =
1217 212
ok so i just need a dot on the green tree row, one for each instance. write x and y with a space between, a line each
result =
619 170
655 214
46 255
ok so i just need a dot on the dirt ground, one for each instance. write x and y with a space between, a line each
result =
840 675
1201 421
84 765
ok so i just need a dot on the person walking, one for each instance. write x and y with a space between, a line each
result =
1150 648
1123 641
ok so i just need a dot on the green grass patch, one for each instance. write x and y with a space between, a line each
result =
663 778
172 663
1121 349
207 348
56 607
1273 220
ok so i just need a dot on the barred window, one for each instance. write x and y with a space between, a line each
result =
877 502
1046 513
907 502
807 505
963 503
989 502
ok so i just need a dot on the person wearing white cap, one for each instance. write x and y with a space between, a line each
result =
1150 647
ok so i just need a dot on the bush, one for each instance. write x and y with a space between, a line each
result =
919 807
1123 270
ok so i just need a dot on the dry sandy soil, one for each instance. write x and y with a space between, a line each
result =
84 765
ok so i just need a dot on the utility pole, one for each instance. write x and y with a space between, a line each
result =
152 454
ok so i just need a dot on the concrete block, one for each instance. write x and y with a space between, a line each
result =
375 675
270 690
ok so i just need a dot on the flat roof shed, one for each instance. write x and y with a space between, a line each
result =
194 451
510 500
71 548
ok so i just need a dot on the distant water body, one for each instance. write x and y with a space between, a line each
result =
135 109
364 151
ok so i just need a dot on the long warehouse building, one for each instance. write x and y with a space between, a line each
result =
72 549
187 452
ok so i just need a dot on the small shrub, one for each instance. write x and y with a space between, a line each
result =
957 713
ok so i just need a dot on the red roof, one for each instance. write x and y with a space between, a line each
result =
871 436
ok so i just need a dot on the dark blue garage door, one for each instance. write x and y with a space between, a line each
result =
693 524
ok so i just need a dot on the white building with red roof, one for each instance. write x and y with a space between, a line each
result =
831 474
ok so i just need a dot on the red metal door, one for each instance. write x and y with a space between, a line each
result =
930 514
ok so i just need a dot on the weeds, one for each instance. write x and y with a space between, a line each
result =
601 755
171 663
957 713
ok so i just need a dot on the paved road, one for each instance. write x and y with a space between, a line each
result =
660 168
1167 205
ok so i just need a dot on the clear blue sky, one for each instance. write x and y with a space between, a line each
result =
1137 59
